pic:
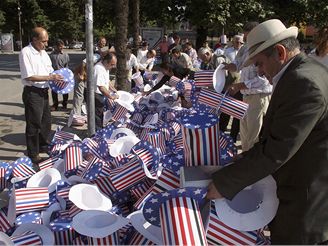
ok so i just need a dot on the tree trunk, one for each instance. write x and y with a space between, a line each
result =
121 27
135 9
201 36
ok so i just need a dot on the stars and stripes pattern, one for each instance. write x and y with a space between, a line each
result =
31 199
23 170
157 139
63 231
226 104
181 222
173 81
219 233
105 185
3 181
27 238
204 78
73 157
48 163
119 112
62 136
4 223
200 133
64 86
109 240
139 239
127 175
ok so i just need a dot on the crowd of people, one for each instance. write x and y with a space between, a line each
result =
284 132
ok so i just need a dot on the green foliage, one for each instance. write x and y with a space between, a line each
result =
2 19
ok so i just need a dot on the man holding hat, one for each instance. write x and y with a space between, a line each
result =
294 144
36 72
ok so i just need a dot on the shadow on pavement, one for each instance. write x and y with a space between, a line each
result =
14 139
14 117
11 77
21 105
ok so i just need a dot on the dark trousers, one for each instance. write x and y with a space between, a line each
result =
235 126
38 119
99 112
55 99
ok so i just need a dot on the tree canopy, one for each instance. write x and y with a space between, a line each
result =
65 19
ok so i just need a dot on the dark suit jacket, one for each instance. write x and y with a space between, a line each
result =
294 149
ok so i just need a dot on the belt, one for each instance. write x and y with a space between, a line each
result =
36 89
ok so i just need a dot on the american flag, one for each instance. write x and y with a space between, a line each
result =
119 112
226 104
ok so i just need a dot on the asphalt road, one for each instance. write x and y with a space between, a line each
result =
12 121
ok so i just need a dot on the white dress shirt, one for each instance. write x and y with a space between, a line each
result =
101 76
33 62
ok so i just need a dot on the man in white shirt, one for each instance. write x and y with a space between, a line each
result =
36 68
103 87
256 91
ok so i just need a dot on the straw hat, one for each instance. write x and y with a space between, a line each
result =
267 34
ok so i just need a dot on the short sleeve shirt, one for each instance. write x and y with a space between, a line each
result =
33 62
101 76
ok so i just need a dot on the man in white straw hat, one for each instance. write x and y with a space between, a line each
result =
294 144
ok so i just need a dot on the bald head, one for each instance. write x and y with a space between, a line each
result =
39 38
38 31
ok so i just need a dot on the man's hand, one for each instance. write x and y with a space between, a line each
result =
56 77
231 67
212 192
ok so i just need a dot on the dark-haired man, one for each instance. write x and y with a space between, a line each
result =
59 60
35 66
104 88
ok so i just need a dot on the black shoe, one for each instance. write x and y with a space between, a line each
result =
64 106
54 108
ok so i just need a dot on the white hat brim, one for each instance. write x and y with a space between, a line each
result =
97 224
5 239
44 232
125 96
45 178
125 131
219 78
89 197
123 145
125 104
252 220
151 232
